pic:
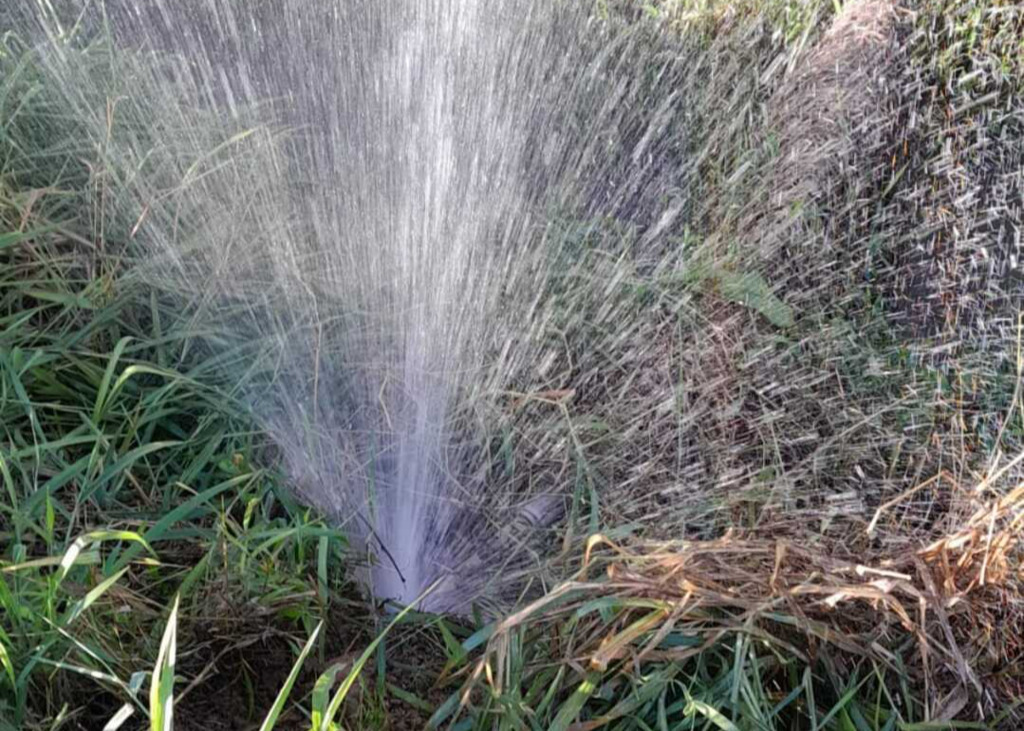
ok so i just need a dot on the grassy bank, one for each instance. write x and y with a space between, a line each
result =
153 555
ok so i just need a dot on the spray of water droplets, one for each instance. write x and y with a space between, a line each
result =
491 268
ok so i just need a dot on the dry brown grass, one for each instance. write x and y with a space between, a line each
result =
949 598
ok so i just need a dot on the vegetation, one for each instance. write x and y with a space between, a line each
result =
153 564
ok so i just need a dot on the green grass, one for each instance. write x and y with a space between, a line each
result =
738 682
128 482
152 555
132 477
135 513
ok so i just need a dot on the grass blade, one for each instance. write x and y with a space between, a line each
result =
99 590
357 668
161 688
101 396
321 694
5 661
97 536
572 707
117 720
286 689
694 706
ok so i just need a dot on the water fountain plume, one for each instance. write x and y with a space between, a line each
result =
380 216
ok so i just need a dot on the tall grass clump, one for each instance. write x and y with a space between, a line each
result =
852 394
131 472
841 401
